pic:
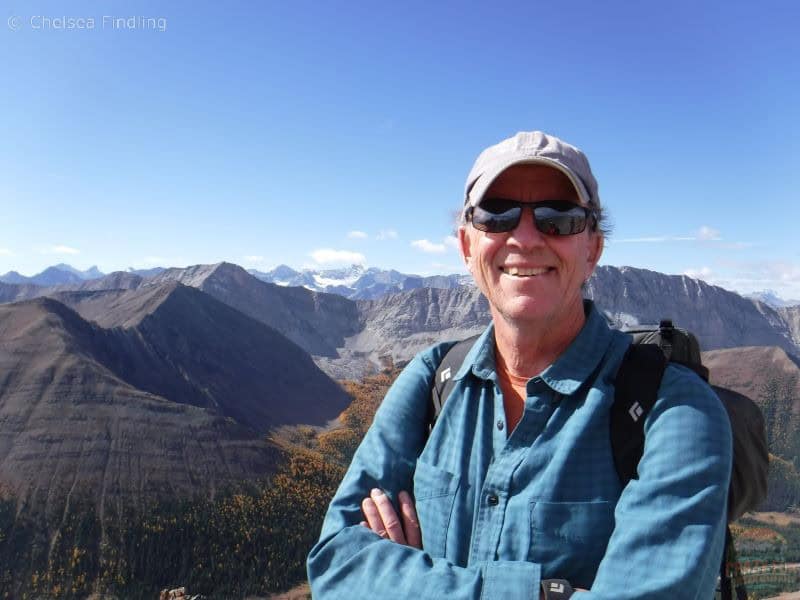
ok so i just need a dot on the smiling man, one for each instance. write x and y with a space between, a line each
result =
514 493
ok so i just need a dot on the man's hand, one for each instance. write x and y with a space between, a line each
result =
382 518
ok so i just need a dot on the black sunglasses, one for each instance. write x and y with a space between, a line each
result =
551 217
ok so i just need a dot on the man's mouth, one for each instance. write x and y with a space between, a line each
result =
524 272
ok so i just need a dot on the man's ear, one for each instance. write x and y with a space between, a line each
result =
464 247
596 243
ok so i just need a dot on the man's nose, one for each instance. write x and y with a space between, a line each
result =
525 233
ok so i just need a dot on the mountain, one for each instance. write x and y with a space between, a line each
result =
14 292
357 282
791 316
170 392
350 337
400 325
719 318
318 323
61 274
771 297
90 273
13 277
145 272
749 370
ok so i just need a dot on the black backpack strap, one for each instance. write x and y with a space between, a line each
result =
443 378
635 392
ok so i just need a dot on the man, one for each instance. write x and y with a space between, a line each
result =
516 485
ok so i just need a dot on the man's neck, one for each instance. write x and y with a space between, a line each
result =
529 348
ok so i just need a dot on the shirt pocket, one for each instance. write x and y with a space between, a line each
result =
434 494
569 539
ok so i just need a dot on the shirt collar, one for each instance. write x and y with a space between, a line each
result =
568 372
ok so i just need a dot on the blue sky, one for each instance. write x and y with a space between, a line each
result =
307 133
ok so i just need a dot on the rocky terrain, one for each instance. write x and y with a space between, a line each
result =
124 395
750 370
791 316
358 282
348 338
131 387
719 318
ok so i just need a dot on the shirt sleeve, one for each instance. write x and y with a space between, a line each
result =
670 523
350 561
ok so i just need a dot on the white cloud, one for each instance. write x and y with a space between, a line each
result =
703 273
429 247
653 240
745 277
60 249
707 234
357 235
704 234
386 234
326 256
253 259
6 252
451 241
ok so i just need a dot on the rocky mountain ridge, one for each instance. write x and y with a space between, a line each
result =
357 282
124 394
348 338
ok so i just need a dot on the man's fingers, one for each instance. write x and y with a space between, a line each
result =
410 520
374 521
388 515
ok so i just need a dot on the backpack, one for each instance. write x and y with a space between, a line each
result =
636 391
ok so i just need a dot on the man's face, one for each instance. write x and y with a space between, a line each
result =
526 275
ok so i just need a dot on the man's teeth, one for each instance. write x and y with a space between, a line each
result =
517 272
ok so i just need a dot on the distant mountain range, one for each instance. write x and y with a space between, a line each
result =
63 274
357 282
771 297
349 337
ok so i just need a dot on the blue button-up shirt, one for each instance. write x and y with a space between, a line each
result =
499 513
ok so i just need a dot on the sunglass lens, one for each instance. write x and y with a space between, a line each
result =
566 220
496 215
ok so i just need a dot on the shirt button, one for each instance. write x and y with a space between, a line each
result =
500 425
492 500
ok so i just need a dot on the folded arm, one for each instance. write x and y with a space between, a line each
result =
670 522
352 561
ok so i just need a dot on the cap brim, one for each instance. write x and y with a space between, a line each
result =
493 171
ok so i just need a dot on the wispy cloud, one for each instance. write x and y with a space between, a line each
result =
6 252
704 234
59 249
386 234
745 277
651 240
357 235
326 256
708 234
429 247
253 259
738 245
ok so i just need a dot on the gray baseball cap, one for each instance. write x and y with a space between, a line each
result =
531 147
